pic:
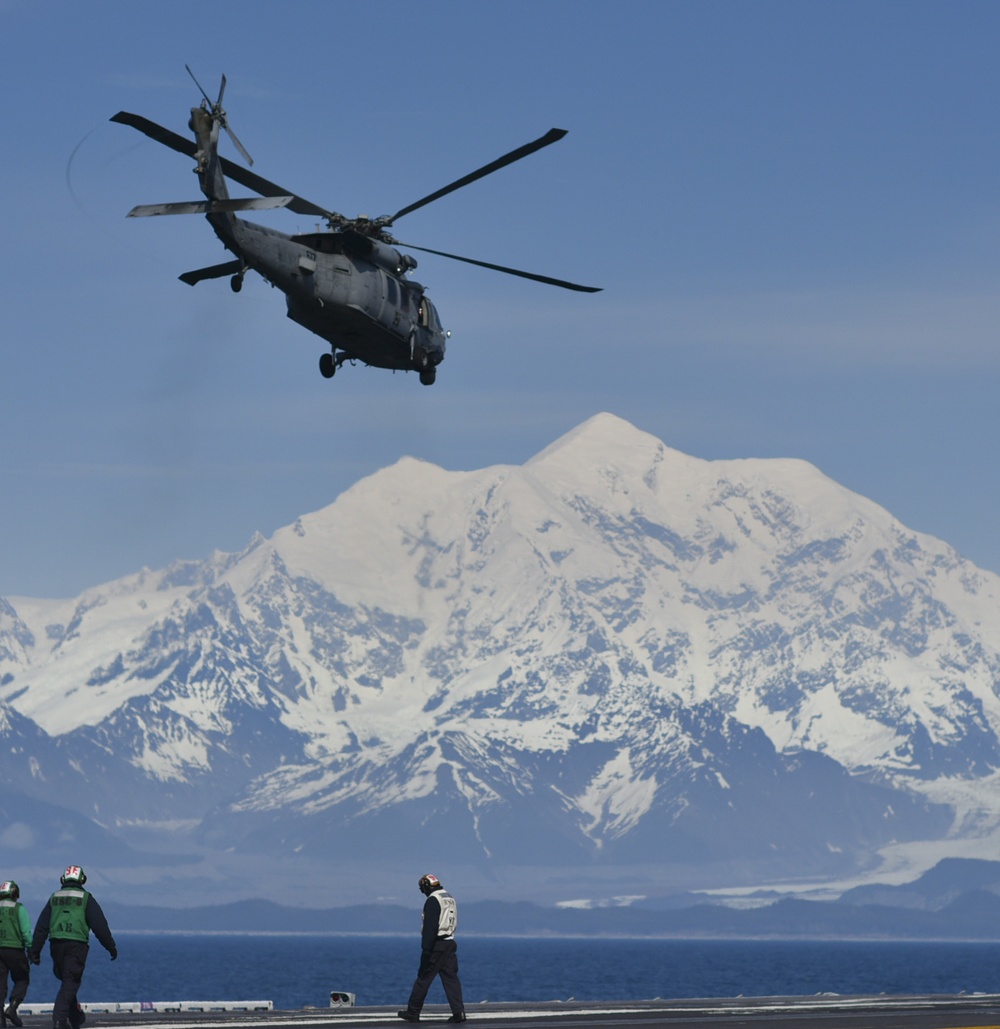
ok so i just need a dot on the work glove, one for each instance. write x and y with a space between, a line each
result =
114 953
35 958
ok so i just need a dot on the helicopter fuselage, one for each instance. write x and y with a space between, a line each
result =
363 306
346 287
349 285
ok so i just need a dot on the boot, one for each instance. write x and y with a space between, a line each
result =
12 1016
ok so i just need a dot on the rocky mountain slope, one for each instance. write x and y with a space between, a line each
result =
612 657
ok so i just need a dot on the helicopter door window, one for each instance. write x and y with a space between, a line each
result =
422 313
392 290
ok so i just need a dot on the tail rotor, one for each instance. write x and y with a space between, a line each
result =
219 114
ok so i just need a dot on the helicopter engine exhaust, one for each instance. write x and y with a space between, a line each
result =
379 253
390 258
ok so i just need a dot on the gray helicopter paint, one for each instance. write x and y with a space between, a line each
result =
348 285
362 309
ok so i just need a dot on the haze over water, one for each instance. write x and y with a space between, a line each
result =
299 970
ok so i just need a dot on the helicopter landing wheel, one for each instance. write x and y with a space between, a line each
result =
236 283
327 366
428 376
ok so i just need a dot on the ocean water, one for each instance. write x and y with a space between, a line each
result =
298 970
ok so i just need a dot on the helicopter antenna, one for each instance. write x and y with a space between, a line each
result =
220 115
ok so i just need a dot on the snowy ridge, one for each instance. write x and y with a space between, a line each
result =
615 654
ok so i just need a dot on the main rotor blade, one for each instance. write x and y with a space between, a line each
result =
266 188
552 136
230 169
157 132
508 271
231 205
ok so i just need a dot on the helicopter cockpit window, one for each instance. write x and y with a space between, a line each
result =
422 312
392 290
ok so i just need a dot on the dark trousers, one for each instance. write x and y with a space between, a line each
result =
15 961
69 958
442 961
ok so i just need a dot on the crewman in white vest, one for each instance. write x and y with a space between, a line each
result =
438 951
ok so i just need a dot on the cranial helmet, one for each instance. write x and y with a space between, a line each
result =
9 890
73 876
429 883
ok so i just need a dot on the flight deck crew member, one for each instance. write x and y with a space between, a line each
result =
438 951
67 919
15 938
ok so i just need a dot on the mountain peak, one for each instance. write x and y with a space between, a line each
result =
648 656
604 438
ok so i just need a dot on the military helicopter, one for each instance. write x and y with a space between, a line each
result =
349 284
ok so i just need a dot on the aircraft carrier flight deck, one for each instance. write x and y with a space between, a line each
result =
973 1011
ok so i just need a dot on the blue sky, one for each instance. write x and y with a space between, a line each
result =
793 209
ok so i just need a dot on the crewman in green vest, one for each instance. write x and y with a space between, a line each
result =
15 937
67 920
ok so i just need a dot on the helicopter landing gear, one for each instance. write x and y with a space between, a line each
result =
422 361
236 282
327 366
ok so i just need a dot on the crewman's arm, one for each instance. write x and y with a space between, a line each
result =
432 918
99 926
41 933
24 924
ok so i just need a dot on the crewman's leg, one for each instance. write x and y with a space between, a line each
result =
3 984
430 961
20 973
449 980
69 958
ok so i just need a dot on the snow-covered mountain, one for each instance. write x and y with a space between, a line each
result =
615 662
